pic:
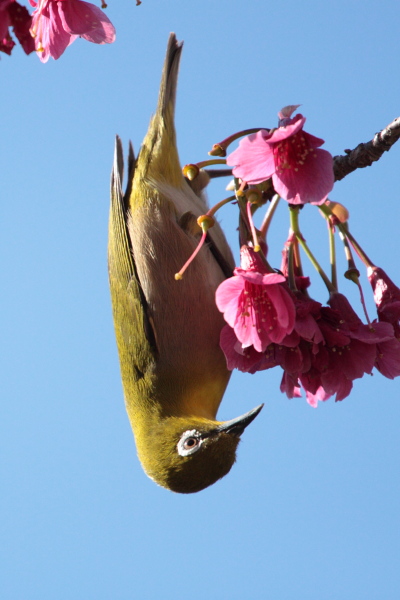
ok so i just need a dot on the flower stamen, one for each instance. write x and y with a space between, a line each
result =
205 222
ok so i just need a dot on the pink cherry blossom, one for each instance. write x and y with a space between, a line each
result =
12 14
6 41
387 300
323 351
57 23
290 385
315 391
387 297
246 360
256 304
348 352
388 358
301 172
335 349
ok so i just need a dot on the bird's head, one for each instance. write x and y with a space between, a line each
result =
187 454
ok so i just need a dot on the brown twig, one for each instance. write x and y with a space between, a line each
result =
365 154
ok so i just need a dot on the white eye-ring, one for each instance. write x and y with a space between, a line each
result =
189 442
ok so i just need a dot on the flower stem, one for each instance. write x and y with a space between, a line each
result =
247 231
332 248
179 275
344 228
219 205
269 215
209 163
252 228
363 256
214 173
332 255
363 303
353 273
191 170
291 262
351 265
297 258
294 224
220 148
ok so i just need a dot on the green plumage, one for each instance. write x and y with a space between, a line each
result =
173 371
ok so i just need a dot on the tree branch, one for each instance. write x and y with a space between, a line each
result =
365 154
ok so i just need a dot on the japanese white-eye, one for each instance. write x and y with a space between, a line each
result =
174 373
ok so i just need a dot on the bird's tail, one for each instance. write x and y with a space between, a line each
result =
169 78
158 154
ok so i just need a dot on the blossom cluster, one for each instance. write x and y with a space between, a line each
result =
271 320
53 26
321 349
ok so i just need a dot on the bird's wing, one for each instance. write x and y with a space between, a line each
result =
133 328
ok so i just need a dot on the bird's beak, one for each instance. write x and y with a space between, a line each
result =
238 425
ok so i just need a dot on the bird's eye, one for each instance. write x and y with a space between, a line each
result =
189 443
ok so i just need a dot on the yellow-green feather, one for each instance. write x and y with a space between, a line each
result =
135 350
173 371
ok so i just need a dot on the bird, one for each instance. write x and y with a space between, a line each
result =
173 371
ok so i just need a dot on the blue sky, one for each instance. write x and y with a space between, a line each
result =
310 510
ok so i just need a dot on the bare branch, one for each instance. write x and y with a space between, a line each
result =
365 154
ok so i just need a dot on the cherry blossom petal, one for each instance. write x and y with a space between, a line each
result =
388 358
79 17
310 182
262 163
53 38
